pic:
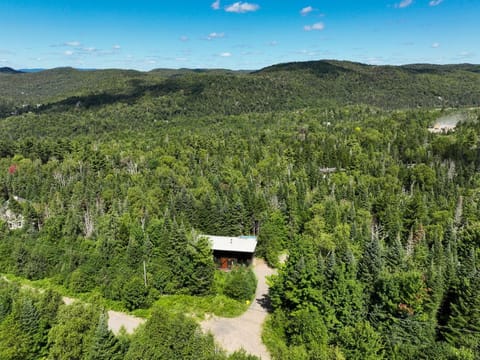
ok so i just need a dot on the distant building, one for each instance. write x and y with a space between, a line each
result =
327 170
442 128
14 221
229 251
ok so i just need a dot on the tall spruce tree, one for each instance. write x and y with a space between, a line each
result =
105 346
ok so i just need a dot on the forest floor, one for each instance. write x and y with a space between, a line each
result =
245 331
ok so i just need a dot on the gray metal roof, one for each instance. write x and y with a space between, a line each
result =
245 244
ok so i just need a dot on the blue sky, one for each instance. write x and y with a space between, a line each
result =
249 34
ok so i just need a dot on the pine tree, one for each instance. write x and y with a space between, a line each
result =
462 325
203 267
361 341
70 337
273 237
105 345
370 266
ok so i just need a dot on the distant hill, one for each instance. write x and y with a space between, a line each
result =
337 66
8 70
183 71
286 86
424 85
57 84
33 70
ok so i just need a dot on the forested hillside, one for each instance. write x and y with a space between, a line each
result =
331 162
281 87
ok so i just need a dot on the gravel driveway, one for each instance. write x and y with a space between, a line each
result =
117 320
245 331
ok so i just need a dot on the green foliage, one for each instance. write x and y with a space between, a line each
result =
26 321
370 266
134 293
240 284
7 294
167 336
401 294
461 318
272 238
219 305
242 355
105 346
71 337
361 342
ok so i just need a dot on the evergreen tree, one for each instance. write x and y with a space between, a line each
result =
71 336
361 341
203 267
462 328
166 336
105 345
272 238
370 265
134 293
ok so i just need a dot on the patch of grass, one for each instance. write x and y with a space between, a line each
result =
197 307
142 313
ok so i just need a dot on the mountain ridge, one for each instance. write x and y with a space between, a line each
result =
286 86
290 65
9 70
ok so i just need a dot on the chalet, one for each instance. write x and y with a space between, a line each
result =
229 251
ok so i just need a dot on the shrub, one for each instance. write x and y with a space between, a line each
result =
134 294
240 284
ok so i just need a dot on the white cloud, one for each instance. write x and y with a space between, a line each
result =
317 26
435 2
241 7
184 38
466 54
215 5
68 52
435 45
215 35
72 43
116 47
89 49
273 43
404 3
306 10
226 54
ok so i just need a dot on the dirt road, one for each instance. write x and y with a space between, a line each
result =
245 331
117 320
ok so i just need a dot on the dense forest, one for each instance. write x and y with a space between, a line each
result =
333 163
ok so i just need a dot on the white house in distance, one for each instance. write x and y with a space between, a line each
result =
229 251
